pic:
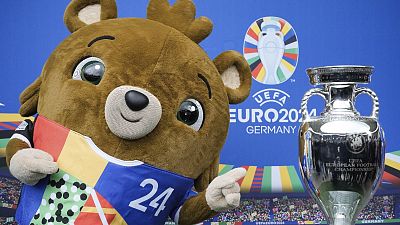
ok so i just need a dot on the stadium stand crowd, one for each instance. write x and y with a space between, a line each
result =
296 209
250 210
299 209
7 221
9 191
380 207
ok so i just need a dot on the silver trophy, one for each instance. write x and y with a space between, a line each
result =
341 153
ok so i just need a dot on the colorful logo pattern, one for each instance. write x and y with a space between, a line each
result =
392 168
62 200
267 179
271 49
92 187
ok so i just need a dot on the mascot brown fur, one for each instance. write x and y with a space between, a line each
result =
141 89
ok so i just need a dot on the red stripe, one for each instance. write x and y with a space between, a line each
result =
291 56
253 34
7 126
85 218
260 169
257 182
49 136
282 24
250 50
257 69
392 179
17 123
103 202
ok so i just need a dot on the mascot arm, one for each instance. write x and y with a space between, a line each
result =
27 164
223 193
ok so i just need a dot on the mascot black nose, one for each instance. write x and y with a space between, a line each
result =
135 100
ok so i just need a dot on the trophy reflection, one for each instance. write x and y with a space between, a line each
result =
341 153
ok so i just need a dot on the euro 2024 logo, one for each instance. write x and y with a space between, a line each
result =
271 48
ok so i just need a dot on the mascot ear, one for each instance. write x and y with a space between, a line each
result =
80 13
236 75
202 182
29 98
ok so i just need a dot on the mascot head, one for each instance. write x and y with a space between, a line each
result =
142 88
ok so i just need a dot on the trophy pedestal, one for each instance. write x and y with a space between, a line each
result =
341 206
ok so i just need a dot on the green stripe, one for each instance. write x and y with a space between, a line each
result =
252 60
294 178
3 142
292 50
226 169
266 181
395 153
280 74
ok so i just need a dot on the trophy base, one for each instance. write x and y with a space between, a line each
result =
341 206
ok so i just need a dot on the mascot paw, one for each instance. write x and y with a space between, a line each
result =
224 191
30 165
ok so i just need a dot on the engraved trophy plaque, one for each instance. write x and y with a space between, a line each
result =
341 153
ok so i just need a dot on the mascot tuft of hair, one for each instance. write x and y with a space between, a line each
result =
131 117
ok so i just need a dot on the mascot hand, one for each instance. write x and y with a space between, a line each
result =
224 191
30 165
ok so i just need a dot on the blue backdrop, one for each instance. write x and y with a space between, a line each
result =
328 32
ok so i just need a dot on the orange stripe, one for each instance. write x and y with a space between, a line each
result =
241 180
253 34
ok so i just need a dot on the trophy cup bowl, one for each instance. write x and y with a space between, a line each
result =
341 154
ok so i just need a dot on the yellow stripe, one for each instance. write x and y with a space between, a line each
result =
261 74
12 117
285 179
392 164
255 28
73 160
285 28
287 65
248 179
87 209
118 220
2 152
220 167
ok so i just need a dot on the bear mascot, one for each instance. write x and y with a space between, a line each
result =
131 115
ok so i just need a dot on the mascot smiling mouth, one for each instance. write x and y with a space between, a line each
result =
132 112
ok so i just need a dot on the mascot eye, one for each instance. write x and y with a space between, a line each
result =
90 69
191 113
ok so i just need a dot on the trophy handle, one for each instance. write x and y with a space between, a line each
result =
375 101
308 95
